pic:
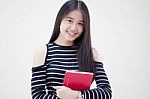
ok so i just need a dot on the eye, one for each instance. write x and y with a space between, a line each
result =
81 24
69 20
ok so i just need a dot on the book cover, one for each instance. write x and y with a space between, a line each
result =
78 80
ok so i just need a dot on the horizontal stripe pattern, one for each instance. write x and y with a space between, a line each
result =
103 90
58 60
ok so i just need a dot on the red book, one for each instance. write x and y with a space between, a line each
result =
78 80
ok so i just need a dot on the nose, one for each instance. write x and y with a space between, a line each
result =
73 27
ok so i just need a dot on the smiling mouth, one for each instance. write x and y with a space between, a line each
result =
71 34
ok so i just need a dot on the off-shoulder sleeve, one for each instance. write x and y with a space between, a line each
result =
103 90
38 84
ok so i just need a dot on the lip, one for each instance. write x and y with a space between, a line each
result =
71 34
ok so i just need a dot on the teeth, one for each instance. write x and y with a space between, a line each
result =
71 34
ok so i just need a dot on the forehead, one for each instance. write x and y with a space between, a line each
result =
75 14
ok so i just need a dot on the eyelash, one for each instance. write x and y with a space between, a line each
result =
80 24
71 21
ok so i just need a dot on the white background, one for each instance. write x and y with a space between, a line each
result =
120 32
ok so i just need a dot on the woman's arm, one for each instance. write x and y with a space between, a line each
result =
39 56
96 55
103 90
38 81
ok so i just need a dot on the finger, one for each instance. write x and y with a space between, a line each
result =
57 87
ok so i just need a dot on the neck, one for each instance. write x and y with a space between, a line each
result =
63 43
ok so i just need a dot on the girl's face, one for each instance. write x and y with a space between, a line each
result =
71 27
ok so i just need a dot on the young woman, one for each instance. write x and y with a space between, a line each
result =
68 49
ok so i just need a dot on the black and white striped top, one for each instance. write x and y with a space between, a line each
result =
57 61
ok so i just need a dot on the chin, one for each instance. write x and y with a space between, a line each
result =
71 40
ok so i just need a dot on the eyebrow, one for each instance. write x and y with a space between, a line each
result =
73 18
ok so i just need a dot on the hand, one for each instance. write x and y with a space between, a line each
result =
65 92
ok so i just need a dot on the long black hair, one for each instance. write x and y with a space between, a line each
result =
84 49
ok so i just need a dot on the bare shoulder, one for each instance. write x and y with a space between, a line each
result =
39 55
96 55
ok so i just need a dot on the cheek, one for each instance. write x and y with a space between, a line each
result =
80 30
62 27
